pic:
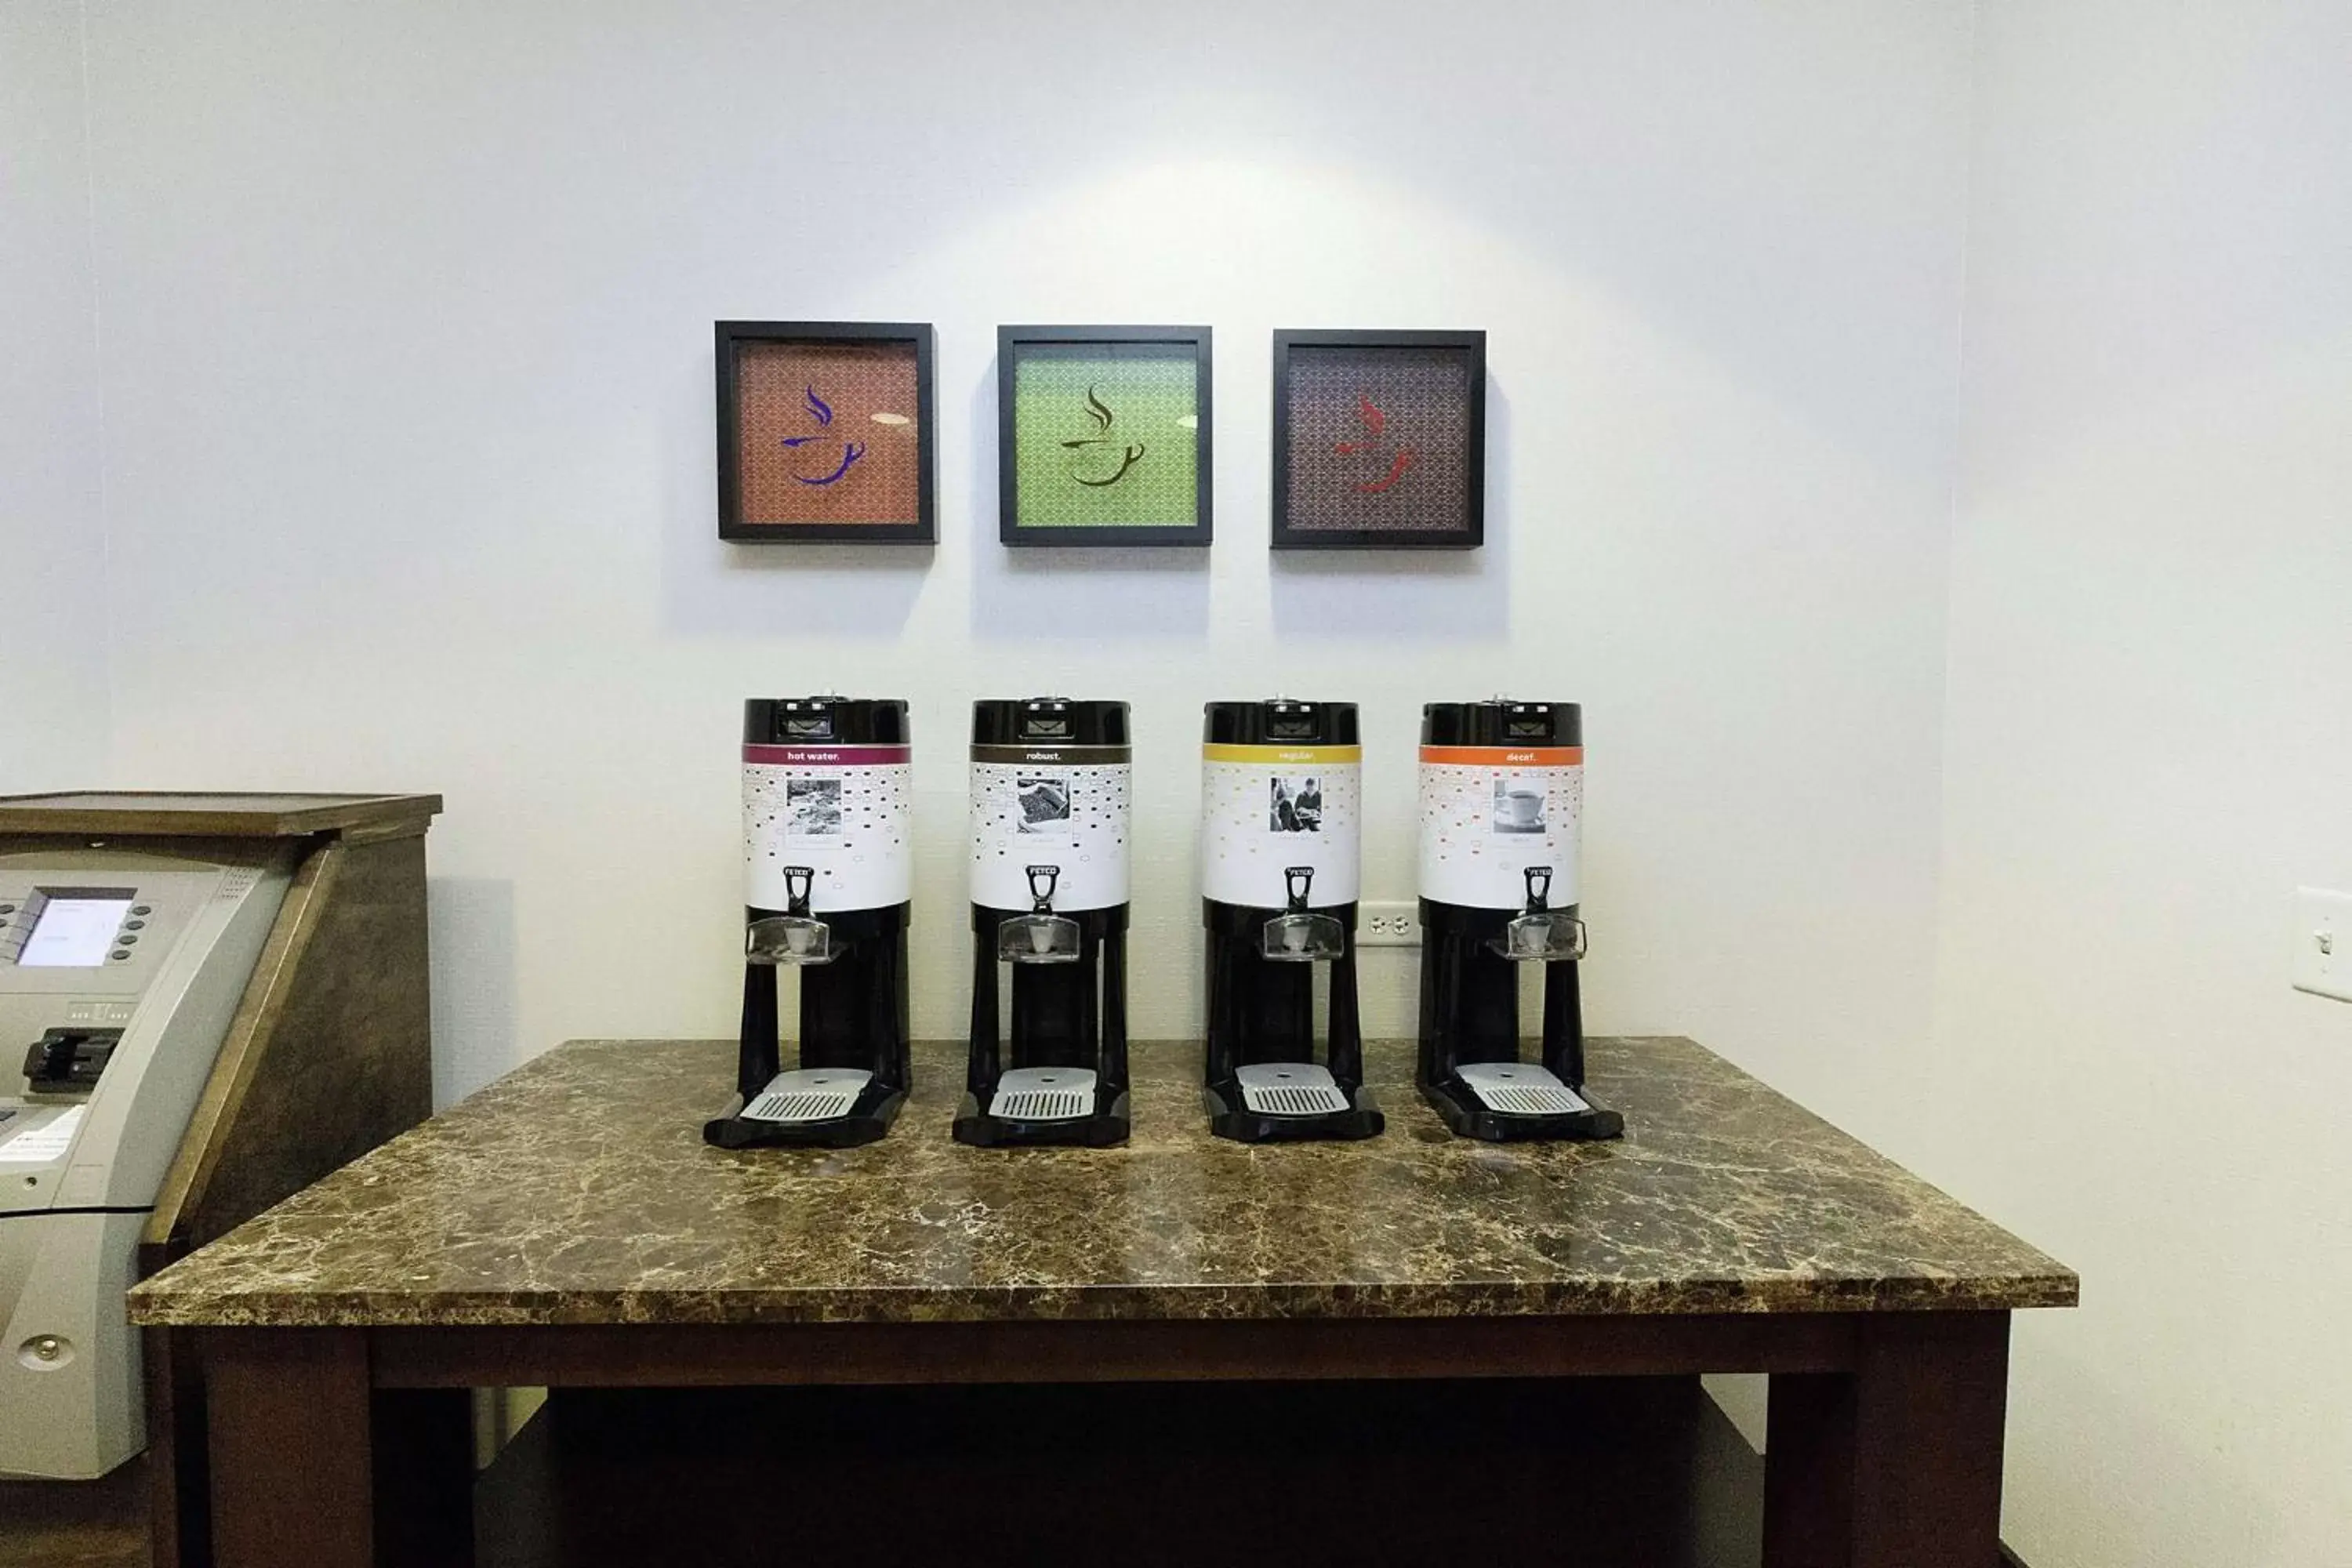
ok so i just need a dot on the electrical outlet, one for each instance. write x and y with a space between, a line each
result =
1387 925
2323 942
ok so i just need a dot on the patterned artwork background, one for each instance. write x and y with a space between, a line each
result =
857 382
1423 398
1150 391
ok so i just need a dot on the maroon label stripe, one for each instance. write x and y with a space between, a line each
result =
828 756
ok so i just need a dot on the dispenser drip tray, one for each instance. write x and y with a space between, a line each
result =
1544 936
808 1094
1038 939
1304 938
788 940
1289 1089
1044 1094
1520 1089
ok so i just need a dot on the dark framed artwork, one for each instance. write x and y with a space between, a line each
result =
1380 440
1103 435
827 432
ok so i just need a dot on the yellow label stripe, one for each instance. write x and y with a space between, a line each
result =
1323 756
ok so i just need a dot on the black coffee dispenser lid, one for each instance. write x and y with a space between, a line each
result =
1048 720
819 721
1502 723
1279 721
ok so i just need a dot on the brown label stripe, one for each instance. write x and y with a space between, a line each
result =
1048 756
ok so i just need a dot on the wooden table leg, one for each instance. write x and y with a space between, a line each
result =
424 1441
1896 1464
287 1413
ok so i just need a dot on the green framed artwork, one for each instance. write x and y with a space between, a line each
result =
1103 436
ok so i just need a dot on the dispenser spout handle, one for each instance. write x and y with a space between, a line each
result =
1042 880
800 881
1298 880
1538 889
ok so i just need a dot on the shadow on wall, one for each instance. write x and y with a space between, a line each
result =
474 944
712 588
1422 596
1018 595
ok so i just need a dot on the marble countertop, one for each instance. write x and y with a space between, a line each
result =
578 1190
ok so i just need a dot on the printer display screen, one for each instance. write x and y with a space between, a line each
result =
75 928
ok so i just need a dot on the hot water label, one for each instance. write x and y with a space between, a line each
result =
1489 814
845 812
1267 810
1064 807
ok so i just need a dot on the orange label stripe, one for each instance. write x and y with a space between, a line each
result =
1505 756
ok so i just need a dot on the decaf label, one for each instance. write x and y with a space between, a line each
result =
1064 807
844 812
1267 811
1490 814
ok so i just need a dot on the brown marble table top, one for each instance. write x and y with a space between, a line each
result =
578 1190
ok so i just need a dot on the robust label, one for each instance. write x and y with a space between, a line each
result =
843 812
1489 814
1060 810
1268 810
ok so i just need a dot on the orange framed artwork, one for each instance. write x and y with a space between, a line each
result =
826 431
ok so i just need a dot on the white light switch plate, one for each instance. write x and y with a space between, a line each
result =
2323 942
1387 925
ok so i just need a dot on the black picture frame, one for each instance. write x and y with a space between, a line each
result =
1012 343
729 339
1289 534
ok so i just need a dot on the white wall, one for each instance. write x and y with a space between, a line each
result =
407 479
2150 745
53 721
409 466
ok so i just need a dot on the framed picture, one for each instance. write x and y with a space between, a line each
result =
826 431
1380 440
1102 434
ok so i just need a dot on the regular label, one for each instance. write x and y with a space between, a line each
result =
1495 819
1051 819
843 812
1267 811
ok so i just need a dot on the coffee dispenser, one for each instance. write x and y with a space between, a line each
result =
1049 892
1281 823
829 873
1502 795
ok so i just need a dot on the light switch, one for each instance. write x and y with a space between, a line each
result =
2323 942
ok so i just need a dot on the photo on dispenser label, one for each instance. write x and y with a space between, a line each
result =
1045 801
812 809
1296 805
1518 808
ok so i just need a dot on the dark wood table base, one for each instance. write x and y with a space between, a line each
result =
343 1448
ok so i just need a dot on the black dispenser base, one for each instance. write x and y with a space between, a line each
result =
1470 1117
1106 1129
1230 1118
865 1122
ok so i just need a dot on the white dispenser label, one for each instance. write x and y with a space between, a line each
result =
844 812
1491 814
1266 810
1064 807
